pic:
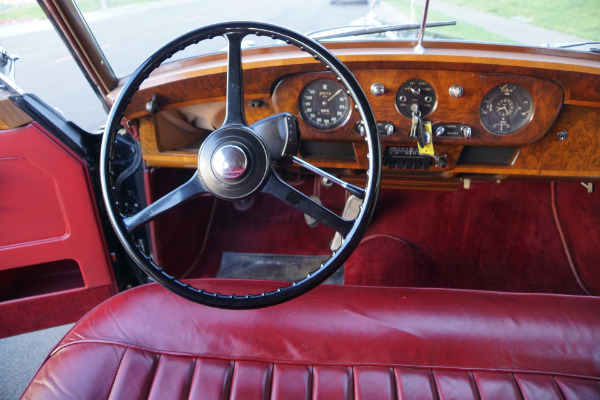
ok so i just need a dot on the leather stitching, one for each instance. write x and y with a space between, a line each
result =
268 385
112 386
394 384
436 384
311 382
317 363
562 395
189 380
352 384
229 381
351 394
435 388
475 385
151 376
518 386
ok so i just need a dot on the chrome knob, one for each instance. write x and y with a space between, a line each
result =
229 162
466 131
456 91
389 129
377 89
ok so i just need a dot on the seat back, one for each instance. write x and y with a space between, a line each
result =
334 342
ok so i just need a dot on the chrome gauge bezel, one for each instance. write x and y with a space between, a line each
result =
506 108
313 118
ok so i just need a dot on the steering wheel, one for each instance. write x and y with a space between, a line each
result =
237 161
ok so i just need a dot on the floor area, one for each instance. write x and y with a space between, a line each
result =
516 236
276 267
21 356
494 236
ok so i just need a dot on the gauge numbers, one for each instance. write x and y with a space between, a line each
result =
506 108
324 104
415 95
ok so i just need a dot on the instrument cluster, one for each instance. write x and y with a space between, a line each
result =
502 109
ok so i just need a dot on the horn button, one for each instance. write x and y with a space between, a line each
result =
229 162
233 163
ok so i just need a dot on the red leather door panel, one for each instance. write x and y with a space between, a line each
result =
53 259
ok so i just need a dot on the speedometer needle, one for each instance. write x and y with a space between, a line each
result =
335 94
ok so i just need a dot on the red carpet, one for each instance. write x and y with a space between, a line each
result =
491 237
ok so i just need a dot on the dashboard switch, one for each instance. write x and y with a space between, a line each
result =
466 131
388 128
457 131
360 128
383 128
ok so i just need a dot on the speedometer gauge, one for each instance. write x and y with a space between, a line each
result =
324 104
506 108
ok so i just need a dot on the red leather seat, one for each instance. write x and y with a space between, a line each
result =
335 342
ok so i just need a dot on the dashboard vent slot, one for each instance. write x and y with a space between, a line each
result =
496 155
338 151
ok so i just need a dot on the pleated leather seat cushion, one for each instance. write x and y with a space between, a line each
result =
336 342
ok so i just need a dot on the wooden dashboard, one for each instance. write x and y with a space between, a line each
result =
560 140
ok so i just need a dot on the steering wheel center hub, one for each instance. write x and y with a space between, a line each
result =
229 162
233 163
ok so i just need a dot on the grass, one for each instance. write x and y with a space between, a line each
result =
33 11
461 30
574 17
27 11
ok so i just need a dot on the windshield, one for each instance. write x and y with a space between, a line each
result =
128 31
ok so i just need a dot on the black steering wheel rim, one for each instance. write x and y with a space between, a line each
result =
123 225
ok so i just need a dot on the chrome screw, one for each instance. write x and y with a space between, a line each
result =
562 135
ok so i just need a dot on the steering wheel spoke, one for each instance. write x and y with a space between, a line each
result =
234 115
278 188
192 188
